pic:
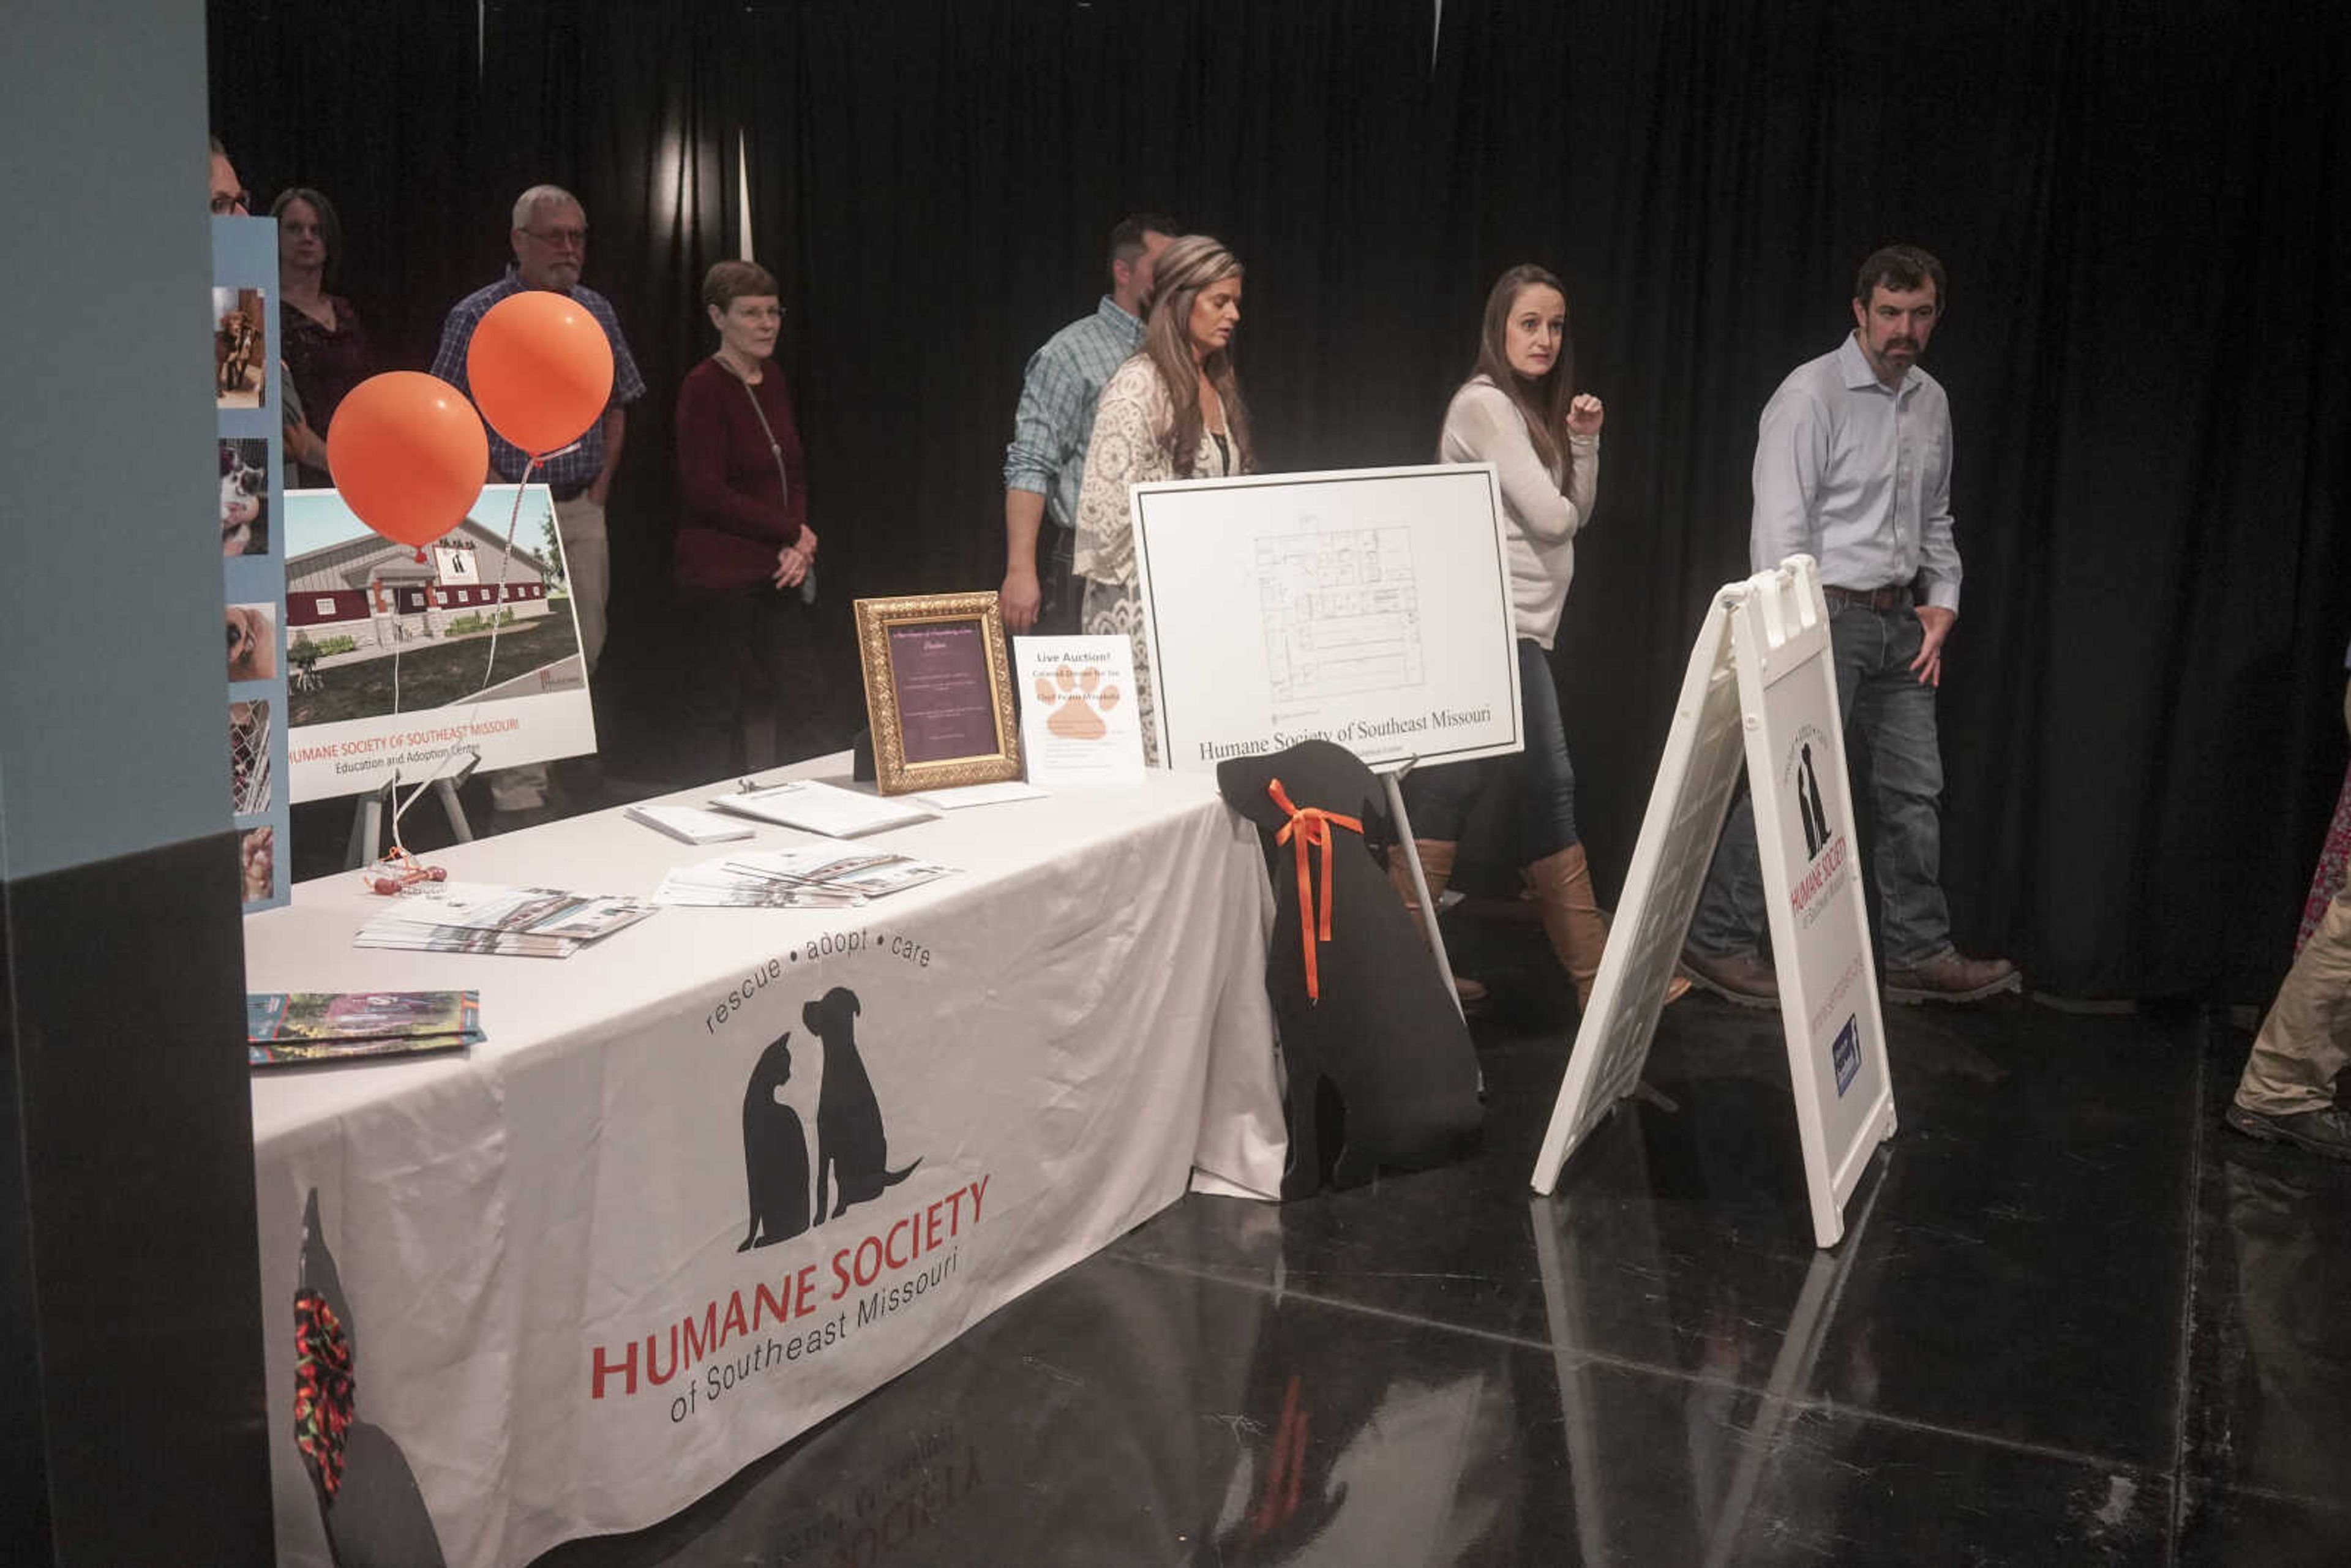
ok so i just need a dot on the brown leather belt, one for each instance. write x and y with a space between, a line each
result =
1872 598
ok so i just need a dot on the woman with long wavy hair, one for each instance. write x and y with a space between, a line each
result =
1519 410
1172 412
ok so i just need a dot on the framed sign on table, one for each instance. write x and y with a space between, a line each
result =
938 691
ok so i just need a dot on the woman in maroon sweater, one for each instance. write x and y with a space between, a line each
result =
744 546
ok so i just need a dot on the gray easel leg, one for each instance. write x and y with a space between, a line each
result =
367 827
446 789
1420 887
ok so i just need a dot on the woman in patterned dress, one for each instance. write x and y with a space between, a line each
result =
1172 412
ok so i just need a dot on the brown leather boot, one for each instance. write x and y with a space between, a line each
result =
1949 978
1437 870
1572 919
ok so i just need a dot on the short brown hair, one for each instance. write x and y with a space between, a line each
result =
728 281
1901 268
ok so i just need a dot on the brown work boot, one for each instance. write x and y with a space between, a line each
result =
1435 870
1949 978
1743 979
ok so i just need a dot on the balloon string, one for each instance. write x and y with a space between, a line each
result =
498 615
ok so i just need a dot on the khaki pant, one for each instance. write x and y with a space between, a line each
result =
2306 1039
588 573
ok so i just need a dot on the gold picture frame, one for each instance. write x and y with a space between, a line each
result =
938 691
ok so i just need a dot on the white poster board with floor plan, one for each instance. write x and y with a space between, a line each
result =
1369 608
1760 688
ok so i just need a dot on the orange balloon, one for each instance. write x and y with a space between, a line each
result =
408 455
540 368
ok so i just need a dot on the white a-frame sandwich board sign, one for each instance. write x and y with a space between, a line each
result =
1761 686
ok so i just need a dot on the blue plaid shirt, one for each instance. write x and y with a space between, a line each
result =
1056 421
576 470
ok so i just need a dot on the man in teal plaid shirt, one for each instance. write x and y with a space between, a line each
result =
1047 459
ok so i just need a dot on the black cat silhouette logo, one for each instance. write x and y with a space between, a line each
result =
774 1153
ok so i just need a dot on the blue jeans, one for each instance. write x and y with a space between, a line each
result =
1440 798
1881 701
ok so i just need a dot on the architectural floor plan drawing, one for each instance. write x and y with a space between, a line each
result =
1341 612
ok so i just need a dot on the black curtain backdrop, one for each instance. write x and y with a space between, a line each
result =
2142 214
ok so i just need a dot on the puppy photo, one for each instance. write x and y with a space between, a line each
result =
774 1153
851 1152
244 496
240 355
252 641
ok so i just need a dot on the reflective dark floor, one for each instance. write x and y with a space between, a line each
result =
2073 1320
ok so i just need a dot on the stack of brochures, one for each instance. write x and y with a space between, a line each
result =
818 876
483 917
290 1028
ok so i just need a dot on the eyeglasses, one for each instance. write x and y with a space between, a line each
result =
224 202
575 238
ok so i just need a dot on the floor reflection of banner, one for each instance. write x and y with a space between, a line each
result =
1612 1441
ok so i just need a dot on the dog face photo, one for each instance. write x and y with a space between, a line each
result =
252 641
244 496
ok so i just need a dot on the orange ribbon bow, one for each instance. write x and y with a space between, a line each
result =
1308 829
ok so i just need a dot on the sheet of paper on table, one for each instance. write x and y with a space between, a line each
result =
691 824
979 795
824 809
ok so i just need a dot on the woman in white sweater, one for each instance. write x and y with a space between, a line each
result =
1172 412
1521 413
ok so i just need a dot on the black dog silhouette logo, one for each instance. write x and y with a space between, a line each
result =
851 1164
1810 813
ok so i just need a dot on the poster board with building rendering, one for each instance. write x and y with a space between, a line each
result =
409 662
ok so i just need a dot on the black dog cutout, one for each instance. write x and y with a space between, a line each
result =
1380 1069
376 1516
850 1150
774 1153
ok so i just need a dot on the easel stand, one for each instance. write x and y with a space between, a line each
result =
370 812
1761 691
1393 781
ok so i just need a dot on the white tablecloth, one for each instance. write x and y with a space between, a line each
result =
551 1321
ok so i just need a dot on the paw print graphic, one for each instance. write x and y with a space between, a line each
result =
1083 700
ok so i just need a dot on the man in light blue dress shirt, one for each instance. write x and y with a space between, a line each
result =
1046 462
1853 467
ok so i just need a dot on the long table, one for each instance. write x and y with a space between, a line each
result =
563 1316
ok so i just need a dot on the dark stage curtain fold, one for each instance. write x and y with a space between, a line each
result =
2141 212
